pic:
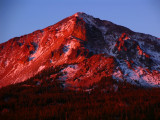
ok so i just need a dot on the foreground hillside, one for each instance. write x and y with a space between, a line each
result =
42 98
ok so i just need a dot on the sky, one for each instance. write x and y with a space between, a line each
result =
20 17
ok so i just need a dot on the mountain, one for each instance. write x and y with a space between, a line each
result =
84 49
80 68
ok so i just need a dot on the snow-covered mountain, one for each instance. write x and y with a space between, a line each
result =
88 49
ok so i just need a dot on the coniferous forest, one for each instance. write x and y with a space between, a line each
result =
45 98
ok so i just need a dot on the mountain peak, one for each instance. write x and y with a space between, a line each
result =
74 41
79 14
87 18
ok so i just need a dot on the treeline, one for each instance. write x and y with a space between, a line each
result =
49 100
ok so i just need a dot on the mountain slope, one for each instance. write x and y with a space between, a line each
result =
88 47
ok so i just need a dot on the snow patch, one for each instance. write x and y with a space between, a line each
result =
18 68
138 75
70 46
6 63
30 58
117 74
41 68
69 72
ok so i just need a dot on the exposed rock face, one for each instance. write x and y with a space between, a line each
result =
89 47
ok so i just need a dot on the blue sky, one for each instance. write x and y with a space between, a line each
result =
19 17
